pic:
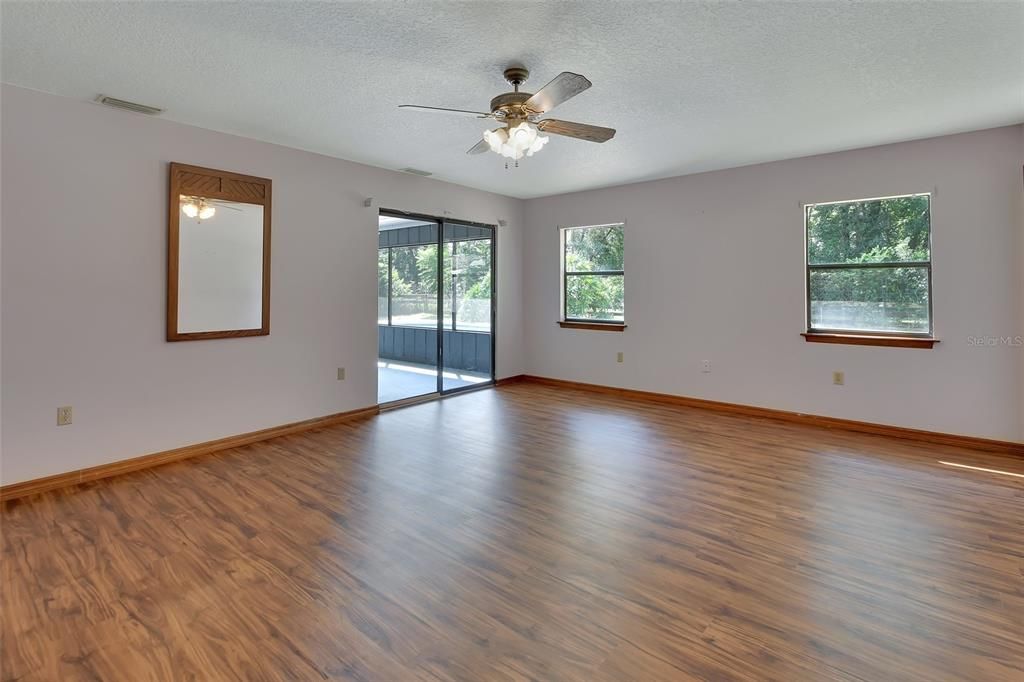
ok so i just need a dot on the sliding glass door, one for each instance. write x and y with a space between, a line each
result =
435 306
467 341
407 305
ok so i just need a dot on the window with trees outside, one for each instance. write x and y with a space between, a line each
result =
869 266
593 274
407 285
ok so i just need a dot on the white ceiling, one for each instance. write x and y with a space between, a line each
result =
690 86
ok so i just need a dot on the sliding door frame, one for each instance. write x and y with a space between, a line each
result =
441 222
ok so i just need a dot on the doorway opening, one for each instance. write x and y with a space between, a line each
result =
435 306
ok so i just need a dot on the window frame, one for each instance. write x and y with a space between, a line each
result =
831 334
586 322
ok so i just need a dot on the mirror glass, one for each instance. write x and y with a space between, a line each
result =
220 265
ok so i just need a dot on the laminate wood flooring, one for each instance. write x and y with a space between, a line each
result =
528 533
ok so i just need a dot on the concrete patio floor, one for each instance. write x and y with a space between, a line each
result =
400 380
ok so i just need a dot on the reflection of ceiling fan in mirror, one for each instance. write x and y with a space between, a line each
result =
203 208
520 113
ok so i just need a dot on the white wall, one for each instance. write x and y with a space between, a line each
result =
84 220
715 270
1020 276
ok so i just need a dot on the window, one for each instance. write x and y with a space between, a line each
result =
383 284
593 274
467 300
412 286
869 267
407 285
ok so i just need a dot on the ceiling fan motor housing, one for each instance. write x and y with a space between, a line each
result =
512 104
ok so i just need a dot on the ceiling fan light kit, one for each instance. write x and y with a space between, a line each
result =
201 207
520 112
515 143
197 207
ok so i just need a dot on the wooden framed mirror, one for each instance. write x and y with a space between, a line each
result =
218 254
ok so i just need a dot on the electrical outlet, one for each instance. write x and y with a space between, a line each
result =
618 356
341 374
838 378
63 416
705 366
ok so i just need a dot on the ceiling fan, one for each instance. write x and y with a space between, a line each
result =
520 113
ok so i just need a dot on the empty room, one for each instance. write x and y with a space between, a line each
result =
698 350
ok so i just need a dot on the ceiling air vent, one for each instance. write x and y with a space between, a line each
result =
417 171
130 106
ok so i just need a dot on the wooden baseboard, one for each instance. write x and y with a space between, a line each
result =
124 466
40 485
933 437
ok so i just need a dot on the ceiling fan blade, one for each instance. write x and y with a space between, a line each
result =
479 148
442 110
564 86
580 131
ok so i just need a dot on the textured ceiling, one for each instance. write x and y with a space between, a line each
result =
690 86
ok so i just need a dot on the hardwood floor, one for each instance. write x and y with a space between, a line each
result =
528 533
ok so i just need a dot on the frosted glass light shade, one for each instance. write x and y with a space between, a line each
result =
517 142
